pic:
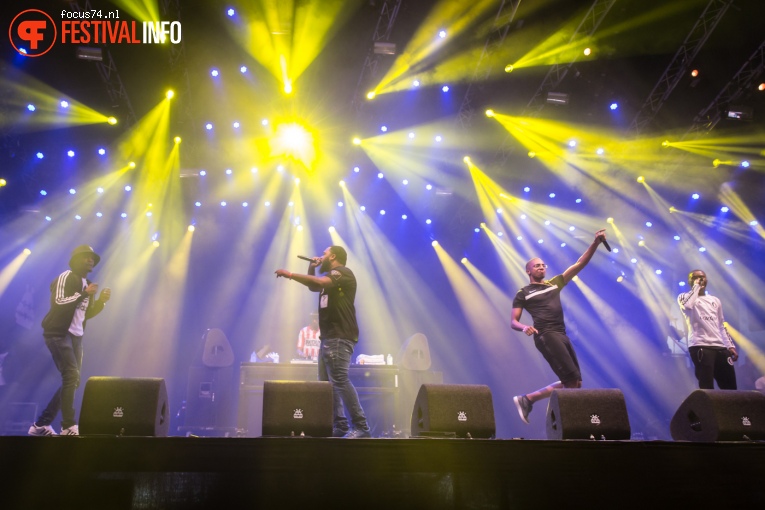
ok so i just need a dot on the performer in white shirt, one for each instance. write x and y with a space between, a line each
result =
709 344
308 339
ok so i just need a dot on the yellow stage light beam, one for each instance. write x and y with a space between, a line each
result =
755 354
286 37
740 209
142 10
13 267
421 51
295 142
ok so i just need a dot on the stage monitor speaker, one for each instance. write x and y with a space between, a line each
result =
414 354
294 408
720 415
587 414
125 407
463 410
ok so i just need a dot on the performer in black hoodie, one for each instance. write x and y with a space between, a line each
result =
72 302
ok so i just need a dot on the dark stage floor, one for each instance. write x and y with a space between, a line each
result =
188 472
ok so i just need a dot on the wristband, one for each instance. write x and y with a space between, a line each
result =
290 276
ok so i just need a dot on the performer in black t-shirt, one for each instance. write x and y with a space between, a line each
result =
541 298
339 335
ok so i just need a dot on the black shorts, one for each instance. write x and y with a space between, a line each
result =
559 353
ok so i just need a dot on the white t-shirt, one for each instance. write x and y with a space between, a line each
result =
76 327
704 318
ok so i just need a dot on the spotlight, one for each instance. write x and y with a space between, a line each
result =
99 214
547 222
40 155
761 87
264 122
202 173
100 189
229 171
658 271
101 151
744 164
3 182
416 83
191 228
404 216
128 188
243 69
526 189
672 209
665 143
357 141
288 87
641 243
442 34
339 204
532 154
177 139
363 208
552 195
716 162
562 245
214 73
600 151
753 223
77 217
614 106
64 104
571 228
609 220
724 209
641 179
434 244
695 73
429 187
620 279
371 94
112 120
648 224
428 222
466 159
411 135
578 200
405 182
384 129
123 215
509 68
676 238
379 175
236 125
702 249
42 191
31 107
572 143
445 88
48 218
245 204
728 262
198 204
223 203
297 181
70 153
231 12
490 113
356 169
169 94
208 126
695 196
254 170
382 211
438 138
587 52
342 184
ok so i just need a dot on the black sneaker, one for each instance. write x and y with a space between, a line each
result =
524 407
339 432
357 434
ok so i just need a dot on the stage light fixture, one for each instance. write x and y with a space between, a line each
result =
744 164
229 171
695 196
753 223
371 94
562 245
223 203
648 224
641 179
91 54
434 244
40 155
31 107
384 48
552 195
702 249
416 83
490 113
202 173
614 106
716 162
288 87
128 188
445 88
740 112
658 271
236 125
557 98
428 222
363 208
438 138
243 69
382 211
728 262
379 175
761 86
442 34
384 129
676 238
526 189
339 204
620 279
357 141
404 216
231 12
499 234
3 182
198 204
641 243
428 187
665 143
587 52
214 73
99 214
208 126
42 191
112 120
70 153
695 73
191 228
264 122
123 215
609 220
101 151
547 223
532 154
64 104
411 135
170 94
519 238
342 184
177 139
724 209
509 68
405 182
572 143
599 151
100 189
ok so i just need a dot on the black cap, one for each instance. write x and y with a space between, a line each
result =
82 249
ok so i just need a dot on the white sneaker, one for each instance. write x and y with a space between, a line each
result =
74 430
45 430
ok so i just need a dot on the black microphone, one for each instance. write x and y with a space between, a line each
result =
309 259
605 243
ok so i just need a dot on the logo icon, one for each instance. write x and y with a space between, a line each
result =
595 419
33 33
461 416
298 414
745 421
118 413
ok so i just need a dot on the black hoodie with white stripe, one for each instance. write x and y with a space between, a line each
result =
66 294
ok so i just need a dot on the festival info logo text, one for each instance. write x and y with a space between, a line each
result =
34 32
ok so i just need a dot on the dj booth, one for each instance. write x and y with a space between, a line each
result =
387 393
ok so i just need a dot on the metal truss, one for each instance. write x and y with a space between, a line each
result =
382 32
587 27
558 72
107 69
744 80
680 63
179 70
499 29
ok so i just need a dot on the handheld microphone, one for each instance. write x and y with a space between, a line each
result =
309 259
605 243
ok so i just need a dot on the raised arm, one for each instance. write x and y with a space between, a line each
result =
315 283
574 269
